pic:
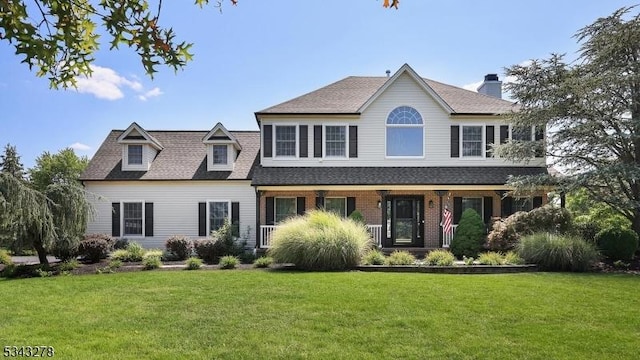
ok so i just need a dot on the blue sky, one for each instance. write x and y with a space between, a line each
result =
261 53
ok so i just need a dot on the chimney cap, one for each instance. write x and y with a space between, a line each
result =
388 72
491 77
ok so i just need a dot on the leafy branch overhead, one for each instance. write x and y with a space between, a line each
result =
58 39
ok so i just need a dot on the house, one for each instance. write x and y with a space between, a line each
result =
399 149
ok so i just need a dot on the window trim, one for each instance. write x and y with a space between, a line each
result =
386 135
122 227
229 216
337 197
274 141
275 206
226 160
346 142
483 144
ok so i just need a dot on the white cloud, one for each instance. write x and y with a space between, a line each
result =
473 86
151 93
80 146
106 83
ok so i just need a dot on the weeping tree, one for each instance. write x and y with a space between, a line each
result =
591 109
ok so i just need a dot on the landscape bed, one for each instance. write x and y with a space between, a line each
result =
342 315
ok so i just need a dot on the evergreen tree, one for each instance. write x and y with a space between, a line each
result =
469 236
10 162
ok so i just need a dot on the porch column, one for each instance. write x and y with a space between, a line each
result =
440 194
383 207
259 194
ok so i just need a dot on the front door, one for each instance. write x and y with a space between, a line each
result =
405 221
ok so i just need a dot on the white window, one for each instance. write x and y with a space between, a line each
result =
472 143
474 203
218 214
522 204
405 133
134 154
521 133
285 140
337 205
220 154
132 219
285 208
335 139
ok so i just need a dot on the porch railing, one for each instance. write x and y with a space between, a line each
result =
446 238
266 231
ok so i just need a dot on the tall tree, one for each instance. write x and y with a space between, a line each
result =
10 162
65 167
59 39
591 107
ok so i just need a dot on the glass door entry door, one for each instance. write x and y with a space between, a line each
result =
405 221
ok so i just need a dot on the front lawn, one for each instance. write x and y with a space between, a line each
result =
252 314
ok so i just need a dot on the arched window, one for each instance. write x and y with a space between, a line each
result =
405 134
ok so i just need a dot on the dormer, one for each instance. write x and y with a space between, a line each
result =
222 149
138 148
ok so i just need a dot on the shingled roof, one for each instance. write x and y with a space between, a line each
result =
349 94
496 175
182 158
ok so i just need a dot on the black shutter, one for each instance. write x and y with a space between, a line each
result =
488 209
269 204
304 141
148 219
317 141
539 137
300 205
235 219
115 219
504 134
537 201
455 141
319 202
351 205
507 206
490 134
353 141
457 209
202 219
267 136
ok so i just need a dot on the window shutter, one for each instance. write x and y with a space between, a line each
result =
235 219
267 136
507 206
270 208
539 137
202 219
490 134
537 201
351 205
115 219
504 134
319 202
300 205
317 141
488 209
455 141
304 141
148 219
353 141
457 209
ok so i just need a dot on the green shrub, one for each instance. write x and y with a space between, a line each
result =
373 257
152 252
617 243
469 236
399 257
114 264
619 264
491 258
120 254
65 248
549 218
357 216
193 263
557 252
179 246
468 260
320 240
136 251
263 262
43 273
5 258
209 250
512 258
229 262
440 258
68 265
586 230
151 261
121 243
93 249
226 241
247 257
106 237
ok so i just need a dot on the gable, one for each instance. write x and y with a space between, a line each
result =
136 134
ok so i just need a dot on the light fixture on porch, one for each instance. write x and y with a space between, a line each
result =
430 204
379 204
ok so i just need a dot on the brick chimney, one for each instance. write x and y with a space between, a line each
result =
491 86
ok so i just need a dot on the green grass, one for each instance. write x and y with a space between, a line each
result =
253 314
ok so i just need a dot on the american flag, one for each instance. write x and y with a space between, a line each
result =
447 222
